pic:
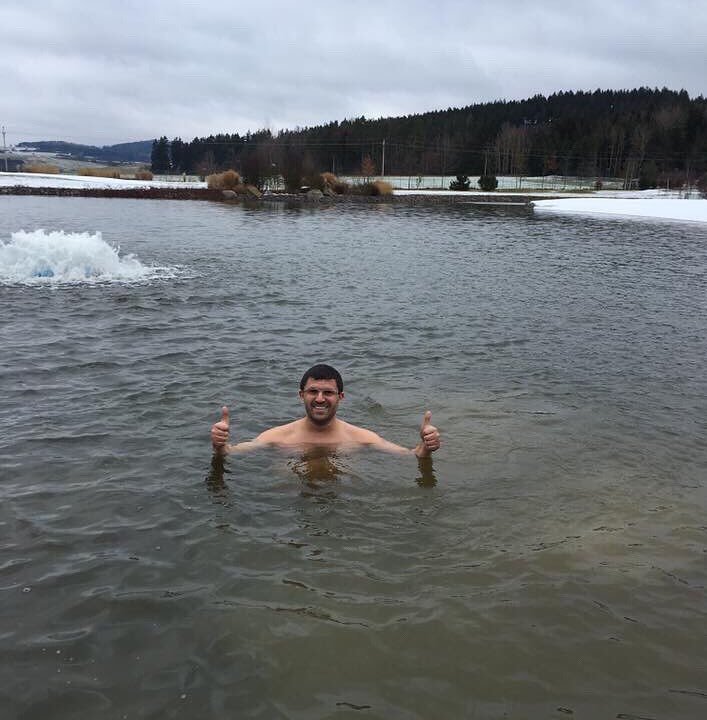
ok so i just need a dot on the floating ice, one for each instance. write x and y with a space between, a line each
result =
645 207
57 257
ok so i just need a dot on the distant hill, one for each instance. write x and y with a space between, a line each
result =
132 152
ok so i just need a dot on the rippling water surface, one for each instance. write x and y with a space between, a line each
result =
550 563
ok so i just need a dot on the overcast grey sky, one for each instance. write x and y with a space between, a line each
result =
120 70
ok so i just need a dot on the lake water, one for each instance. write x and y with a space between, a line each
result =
550 563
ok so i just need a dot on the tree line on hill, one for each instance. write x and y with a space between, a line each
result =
135 152
649 137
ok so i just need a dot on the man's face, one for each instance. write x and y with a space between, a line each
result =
320 398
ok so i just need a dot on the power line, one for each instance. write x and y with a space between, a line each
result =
344 145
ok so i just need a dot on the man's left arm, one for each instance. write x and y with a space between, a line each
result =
429 440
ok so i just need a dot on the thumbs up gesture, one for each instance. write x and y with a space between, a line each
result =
219 431
429 436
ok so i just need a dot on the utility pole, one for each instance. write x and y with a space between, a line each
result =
383 161
4 148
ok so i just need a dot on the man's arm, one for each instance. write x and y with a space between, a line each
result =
429 440
220 434
429 437
219 437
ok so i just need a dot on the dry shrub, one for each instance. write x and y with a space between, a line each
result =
332 182
228 180
375 188
381 187
143 175
105 172
39 168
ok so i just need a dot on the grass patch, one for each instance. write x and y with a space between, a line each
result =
40 168
105 172
143 175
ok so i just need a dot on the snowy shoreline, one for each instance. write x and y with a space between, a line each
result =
610 203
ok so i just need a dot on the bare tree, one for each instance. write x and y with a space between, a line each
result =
368 167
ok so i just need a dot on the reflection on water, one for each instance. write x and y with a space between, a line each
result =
216 479
427 477
318 468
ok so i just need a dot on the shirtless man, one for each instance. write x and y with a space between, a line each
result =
321 391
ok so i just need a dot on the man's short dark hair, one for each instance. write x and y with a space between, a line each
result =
322 372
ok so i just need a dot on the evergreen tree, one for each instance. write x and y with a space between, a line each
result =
178 155
160 156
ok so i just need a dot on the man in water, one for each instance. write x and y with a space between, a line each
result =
321 391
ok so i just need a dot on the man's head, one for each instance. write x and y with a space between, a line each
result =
322 372
321 389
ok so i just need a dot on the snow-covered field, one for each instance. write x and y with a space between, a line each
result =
616 203
85 182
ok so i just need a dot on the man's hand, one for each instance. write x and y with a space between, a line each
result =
429 436
219 432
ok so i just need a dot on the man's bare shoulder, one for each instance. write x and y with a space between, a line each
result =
359 435
281 434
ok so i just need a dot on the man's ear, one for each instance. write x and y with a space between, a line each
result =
301 395
341 395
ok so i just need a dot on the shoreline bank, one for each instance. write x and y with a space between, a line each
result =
431 198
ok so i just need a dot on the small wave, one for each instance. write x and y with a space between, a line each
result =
41 258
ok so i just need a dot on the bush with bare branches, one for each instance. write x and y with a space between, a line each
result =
143 175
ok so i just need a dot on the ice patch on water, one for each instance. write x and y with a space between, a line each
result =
40 258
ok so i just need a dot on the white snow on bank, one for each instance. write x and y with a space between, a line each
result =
86 182
694 210
473 193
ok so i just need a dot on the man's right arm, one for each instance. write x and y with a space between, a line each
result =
220 433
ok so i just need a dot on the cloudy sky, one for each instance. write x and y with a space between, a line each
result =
121 70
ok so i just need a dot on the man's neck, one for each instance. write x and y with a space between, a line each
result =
326 429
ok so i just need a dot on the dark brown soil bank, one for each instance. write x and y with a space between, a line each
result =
431 198
140 193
